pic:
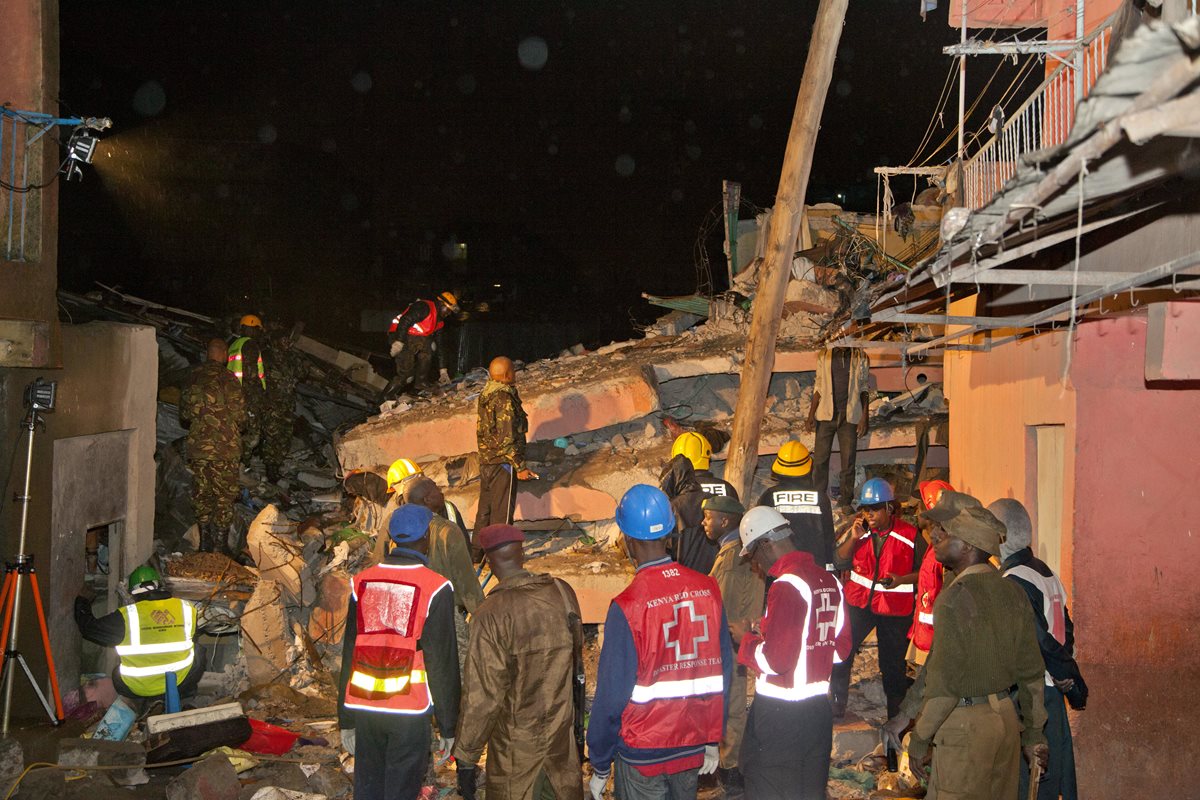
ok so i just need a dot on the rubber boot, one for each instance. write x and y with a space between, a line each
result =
208 538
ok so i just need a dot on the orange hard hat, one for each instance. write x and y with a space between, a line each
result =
251 321
931 492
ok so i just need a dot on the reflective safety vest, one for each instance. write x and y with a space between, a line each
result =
898 554
387 671
158 640
678 697
235 360
1054 601
426 327
824 619
929 585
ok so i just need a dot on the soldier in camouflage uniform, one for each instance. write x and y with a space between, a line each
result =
500 432
279 410
214 406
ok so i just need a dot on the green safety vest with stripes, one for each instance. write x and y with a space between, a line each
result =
158 640
234 362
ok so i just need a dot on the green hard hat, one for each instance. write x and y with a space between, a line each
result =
143 574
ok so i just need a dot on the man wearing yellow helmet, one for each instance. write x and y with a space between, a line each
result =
796 497
696 447
411 343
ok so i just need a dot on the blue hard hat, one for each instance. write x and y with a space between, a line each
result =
874 491
645 513
409 523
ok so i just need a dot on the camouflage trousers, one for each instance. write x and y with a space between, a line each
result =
214 488
252 434
277 424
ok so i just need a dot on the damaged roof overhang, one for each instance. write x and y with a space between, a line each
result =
1126 156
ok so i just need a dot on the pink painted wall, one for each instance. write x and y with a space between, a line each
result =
1130 546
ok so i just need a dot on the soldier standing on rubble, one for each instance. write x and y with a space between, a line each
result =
840 407
245 361
399 665
279 408
215 407
500 433
520 679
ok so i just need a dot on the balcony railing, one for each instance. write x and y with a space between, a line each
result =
1042 121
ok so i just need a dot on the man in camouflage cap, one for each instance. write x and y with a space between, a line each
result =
500 433
279 408
214 406
984 643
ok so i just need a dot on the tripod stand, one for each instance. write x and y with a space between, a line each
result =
10 600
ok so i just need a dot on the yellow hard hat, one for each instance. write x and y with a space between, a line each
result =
251 321
793 459
695 447
449 299
400 469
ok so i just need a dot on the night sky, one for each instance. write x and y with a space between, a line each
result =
312 160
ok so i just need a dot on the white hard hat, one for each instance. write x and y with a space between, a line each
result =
760 522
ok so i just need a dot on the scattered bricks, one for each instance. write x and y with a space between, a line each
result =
12 762
331 782
214 778
281 776
852 740
104 753
328 619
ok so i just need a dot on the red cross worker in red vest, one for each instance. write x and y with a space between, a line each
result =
883 552
399 664
665 668
929 582
804 633
411 343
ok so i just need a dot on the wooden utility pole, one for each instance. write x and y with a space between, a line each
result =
781 246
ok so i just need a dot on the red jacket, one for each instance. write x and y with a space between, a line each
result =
898 556
929 583
426 327
804 632
387 671
678 698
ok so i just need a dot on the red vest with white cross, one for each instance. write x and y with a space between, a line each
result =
897 556
678 698
387 672
929 584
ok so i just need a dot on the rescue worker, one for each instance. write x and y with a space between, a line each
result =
689 546
153 635
840 407
807 510
981 649
449 555
882 551
804 632
518 688
665 667
411 342
1056 639
742 596
929 582
500 433
279 408
399 665
698 450
213 407
245 361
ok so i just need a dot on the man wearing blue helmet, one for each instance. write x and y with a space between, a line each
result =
883 552
662 688
399 664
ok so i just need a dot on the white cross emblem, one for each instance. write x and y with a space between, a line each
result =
830 609
686 629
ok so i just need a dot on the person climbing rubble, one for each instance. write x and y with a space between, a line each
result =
742 596
840 407
500 434
689 546
399 665
519 682
214 409
882 551
153 635
663 680
279 406
795 495
411 341
804 633
244 359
